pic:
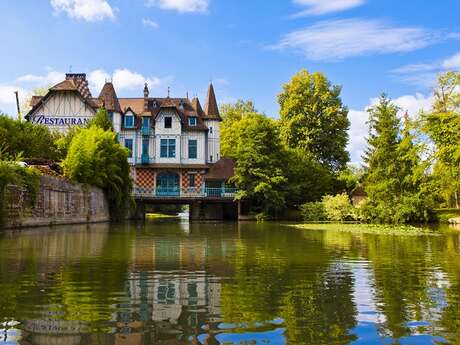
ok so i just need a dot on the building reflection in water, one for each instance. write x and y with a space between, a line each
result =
225 284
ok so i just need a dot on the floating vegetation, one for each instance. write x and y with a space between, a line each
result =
399 230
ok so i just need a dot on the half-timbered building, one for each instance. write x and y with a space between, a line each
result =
173 143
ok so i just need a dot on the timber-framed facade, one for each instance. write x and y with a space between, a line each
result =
173 143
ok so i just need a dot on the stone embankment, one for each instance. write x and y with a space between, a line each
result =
58 202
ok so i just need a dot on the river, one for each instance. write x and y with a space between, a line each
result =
171 282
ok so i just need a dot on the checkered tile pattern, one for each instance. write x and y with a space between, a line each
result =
199 178
145 178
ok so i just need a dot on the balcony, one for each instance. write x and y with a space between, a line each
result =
145 159
185 193
167 191
146 131
226 192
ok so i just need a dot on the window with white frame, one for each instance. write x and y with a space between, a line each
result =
168 148
192 121
129 121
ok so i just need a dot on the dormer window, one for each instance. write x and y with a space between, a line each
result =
153 104
168 122
129 121
192 121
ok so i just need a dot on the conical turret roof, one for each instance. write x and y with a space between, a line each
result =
109 98
211 109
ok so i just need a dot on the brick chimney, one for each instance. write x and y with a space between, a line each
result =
146 97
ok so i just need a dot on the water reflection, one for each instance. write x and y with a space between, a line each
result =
180 283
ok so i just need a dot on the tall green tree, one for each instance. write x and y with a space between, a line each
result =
101 120
442 124
395 181
95 157
231 113
260 171
314 119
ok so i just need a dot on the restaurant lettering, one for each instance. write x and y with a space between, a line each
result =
60 121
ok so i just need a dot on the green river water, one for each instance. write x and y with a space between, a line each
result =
171 282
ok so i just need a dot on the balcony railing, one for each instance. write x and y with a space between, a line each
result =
167 191
145 159
161 192
146 131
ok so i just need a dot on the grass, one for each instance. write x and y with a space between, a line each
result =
160 216
400 230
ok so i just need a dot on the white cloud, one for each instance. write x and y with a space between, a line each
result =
426 74
319 7
339 39
415 68
150 23
8 98
97 79
123 79
49 79
452 63
358 132
182 6
87 10
414 104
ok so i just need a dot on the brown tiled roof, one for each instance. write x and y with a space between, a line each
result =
224 169
109 98
136 104
210 108
35 100
197 106
182 106
66 85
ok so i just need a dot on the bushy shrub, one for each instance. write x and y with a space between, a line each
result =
338 208
313 212
95 157
27 139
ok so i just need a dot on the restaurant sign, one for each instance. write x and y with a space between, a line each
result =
60 121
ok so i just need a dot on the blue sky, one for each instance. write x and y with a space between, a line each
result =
249 48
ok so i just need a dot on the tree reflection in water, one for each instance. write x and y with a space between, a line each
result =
177 283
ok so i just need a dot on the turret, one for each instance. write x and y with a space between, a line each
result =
212 120
210 108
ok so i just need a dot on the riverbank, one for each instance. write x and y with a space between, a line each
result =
58 202
400 230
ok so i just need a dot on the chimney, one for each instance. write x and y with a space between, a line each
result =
146 97
80 82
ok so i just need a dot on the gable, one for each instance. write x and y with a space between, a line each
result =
59 110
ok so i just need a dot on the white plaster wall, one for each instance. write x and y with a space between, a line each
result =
131 134
213 141
63 105
200 137
176 127
116 120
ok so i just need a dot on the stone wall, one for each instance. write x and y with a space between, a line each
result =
58 202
